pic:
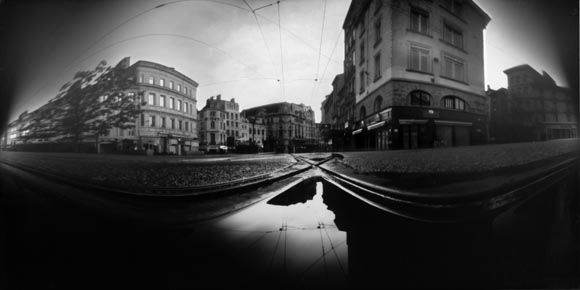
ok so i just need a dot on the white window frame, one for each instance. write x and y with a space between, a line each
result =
455 62
422 52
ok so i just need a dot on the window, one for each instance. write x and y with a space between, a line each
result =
452 35
180 125
163 123
185 90
171 102
171 85
419 59
419 20
420 98
141 78
378 104
151 99
152 120
377 66
172 123
162 82
186 126
142 120
363 113
162 101
178 105
453 68
212 125
362 52
378 31
362 81
179 88
185 107
151 80
453 102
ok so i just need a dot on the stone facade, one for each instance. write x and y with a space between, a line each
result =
221 124
537 108
397 52
289 127
168 122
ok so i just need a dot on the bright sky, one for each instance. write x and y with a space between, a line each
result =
219 44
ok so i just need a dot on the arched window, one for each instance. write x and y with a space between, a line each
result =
453 102
378 104
419 98
363 113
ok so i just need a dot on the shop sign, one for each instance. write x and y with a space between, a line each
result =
372 119
386 114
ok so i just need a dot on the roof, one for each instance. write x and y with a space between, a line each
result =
170 70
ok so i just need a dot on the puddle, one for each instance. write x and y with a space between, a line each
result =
291 237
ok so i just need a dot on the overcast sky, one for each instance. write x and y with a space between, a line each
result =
220 45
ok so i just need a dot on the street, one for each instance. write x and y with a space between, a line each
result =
303 231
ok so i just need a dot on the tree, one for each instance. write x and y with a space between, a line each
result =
94 102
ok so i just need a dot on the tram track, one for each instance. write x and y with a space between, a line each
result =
432 207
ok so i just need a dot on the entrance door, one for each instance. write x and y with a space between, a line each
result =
414 136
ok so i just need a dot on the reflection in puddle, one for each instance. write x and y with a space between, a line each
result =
291 238
311 235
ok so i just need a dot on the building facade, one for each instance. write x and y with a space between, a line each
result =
288 127
221 124
415 71
168 122
535 108
500 127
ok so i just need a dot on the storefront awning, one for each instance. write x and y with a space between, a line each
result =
438 122
411 121
376 125
356 131
453 123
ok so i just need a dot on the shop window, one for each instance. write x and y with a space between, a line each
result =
419 98
453 102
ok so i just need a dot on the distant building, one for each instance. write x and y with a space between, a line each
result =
536 108
414 72
337 111
500 127
221 124
289 127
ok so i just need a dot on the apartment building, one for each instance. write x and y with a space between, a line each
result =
415 71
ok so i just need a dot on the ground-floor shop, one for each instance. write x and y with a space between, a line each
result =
415 128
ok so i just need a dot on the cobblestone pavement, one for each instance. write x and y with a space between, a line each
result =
469 159
154 171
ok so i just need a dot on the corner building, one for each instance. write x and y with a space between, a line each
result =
168 122
415 70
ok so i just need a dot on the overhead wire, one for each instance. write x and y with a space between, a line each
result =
321 37
281 53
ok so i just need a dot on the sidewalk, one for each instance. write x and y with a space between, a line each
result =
426 168
134 172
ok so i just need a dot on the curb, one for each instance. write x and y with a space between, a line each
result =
451 207
206 192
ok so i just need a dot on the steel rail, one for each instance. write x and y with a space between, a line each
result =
199 192
452 207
